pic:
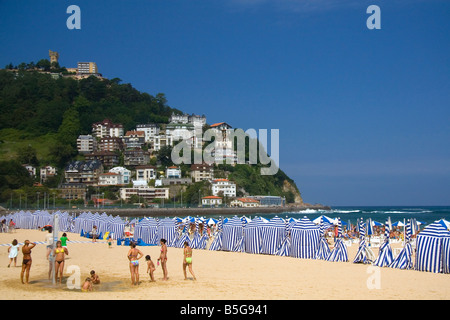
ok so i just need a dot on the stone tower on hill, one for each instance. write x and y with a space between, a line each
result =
54 56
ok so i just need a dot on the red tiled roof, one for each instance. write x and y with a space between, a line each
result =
212 197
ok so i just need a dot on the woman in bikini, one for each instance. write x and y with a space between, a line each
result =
187 260
163 258
59 253
133 256
26 263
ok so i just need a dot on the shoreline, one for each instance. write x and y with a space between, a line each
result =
173 212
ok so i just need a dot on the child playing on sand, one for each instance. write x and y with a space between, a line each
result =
150 267
109 241
94 277
13 250
87 285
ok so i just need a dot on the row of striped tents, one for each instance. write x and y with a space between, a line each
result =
433 249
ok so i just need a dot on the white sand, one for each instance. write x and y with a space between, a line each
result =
220 276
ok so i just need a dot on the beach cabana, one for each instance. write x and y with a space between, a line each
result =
385 256
146 230
167 229
432 249
233 235
253 236
216 243
363 255
272 235
404 259
324 250
284 249
305 238
339 252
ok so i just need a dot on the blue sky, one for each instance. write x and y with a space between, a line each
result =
363 114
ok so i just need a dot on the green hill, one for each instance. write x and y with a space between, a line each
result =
41 117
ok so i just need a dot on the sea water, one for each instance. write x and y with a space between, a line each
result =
423 214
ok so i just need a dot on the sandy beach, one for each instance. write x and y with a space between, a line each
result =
220 276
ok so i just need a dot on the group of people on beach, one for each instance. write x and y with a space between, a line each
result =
134 254
56 257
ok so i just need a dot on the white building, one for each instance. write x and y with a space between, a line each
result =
144 193
31 170
151 130
110 179
225 186
145 173
179 118
126 174
211 201
157 142
223 144
86 144
173 172
107 128
47 172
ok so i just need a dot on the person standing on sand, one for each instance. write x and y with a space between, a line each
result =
187 260
150 267
59 253
163 258
26 263
133 256
13 251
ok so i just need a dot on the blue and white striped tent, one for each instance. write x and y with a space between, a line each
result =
167 229
233 235
116 228
200 237
216 243
324 250
404 259
432 249
285 247
339 252
385 256
146 230
305 238
272 235
362 255
253 235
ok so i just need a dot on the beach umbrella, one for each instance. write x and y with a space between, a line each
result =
385 256
339 252
398 224
404 259
305 238
432 249
369 229
324 250
272 234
